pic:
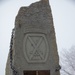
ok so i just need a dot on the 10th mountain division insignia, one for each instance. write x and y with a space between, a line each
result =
35 48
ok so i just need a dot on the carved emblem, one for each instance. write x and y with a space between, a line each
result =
35 48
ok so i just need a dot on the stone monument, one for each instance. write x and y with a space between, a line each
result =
33 49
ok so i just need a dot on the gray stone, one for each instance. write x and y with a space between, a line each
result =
34 42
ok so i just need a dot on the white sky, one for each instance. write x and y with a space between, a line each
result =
64 21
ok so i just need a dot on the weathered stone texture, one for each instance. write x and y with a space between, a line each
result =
35 21
8 68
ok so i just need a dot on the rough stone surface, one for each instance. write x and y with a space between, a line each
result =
34 40
8 69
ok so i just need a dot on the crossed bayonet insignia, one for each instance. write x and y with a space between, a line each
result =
36 47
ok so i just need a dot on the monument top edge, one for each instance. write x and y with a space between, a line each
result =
45 0
37 5
41 1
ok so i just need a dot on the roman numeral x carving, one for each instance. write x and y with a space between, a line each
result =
36 46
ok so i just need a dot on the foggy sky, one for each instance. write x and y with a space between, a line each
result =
64 22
